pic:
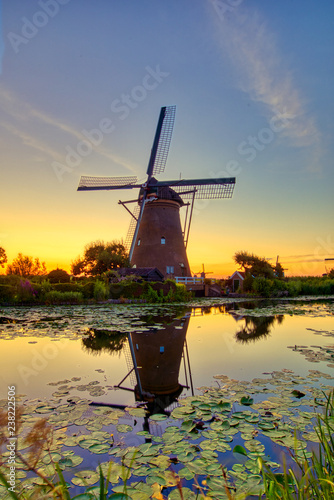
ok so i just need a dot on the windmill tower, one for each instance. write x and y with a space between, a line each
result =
156 237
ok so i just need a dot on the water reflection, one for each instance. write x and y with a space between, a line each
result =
256 328
157 355
154 359
97 341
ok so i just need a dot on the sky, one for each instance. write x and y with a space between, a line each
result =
81 87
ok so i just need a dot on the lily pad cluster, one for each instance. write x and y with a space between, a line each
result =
311 307
315 353
71 322
210 440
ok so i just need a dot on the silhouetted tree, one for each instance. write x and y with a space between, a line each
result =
100 257
253 265
58 276
26 266
3 257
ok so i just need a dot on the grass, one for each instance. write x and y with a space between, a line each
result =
314 478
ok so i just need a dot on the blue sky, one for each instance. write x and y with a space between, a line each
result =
252 82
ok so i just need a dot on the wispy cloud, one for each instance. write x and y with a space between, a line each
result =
262 72
25 115
31 141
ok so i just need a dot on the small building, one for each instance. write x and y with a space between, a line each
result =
145 273
236 281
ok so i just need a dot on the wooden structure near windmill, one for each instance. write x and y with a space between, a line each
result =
156 237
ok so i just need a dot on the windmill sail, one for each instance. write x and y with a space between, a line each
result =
205 189
161 143
88 183
155 236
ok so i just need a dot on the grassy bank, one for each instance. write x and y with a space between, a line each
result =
15 290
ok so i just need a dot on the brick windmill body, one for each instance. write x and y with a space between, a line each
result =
156 237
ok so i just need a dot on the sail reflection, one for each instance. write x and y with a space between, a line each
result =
154 359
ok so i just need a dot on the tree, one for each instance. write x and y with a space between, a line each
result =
3 257
26 266
58 276
100 257
253 265
331 273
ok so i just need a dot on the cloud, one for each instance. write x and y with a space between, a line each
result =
262 73
25 115
30 140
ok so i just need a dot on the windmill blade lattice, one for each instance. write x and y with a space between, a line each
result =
132 227
88 183
162 140
209 192
205 189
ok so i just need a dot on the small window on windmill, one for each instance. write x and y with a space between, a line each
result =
170 269
138 242
163 240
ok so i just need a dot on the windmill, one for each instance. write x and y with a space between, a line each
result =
156 237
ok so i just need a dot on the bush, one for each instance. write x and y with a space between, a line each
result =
101 290
10 279
7 293
176 293
248 283
152 296
127 289
87 289
59 276
263 286
55 297
26 291
294 288
67 287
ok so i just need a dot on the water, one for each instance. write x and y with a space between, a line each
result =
240 340
123 355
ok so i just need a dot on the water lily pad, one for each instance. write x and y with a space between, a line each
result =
99 448
246 400
158 417
85 478
124 428
240 450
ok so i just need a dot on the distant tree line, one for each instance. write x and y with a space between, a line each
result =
94 276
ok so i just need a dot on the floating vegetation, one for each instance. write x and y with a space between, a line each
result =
232 425
235 426
315 354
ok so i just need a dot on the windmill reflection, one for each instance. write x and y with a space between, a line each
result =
154 360
256 327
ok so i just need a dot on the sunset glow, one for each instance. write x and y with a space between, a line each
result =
80 94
